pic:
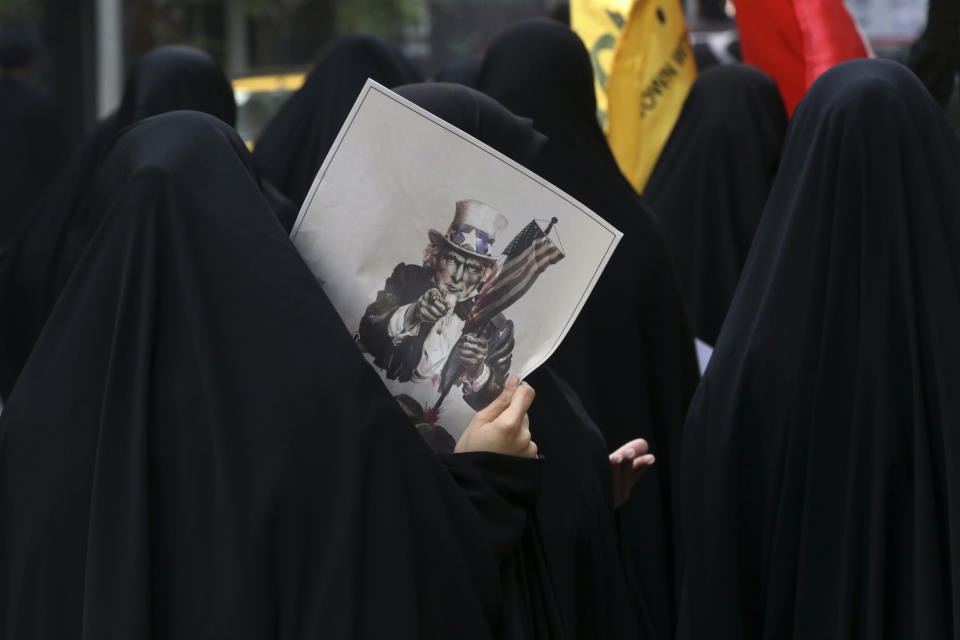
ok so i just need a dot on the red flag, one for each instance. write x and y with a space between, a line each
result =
797 40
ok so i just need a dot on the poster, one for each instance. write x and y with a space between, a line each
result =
451 265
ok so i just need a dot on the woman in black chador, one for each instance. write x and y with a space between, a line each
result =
42 255
295 142
581 484
711 181
821 494
630 354
33 138
197 449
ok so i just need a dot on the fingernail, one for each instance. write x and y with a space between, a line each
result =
629 453
616 459
512 383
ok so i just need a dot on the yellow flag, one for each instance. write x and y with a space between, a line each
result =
643 70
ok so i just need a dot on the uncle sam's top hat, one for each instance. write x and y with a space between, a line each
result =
473 231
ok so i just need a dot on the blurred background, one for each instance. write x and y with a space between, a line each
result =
266 45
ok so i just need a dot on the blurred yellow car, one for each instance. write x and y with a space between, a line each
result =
259 97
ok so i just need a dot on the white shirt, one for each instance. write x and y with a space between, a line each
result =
437 346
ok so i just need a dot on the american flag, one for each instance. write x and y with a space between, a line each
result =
521 263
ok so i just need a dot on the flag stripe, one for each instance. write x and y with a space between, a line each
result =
517 274
516 292
532 259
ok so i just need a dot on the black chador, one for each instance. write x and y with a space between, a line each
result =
197 449
295 142
820 484
630 354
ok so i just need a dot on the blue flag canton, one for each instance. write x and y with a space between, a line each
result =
523 240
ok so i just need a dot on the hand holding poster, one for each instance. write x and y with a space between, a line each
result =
403 228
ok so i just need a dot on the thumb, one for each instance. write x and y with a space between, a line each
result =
490 412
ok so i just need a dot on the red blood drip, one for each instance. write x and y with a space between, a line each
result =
431 415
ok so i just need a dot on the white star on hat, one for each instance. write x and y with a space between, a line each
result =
470 240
